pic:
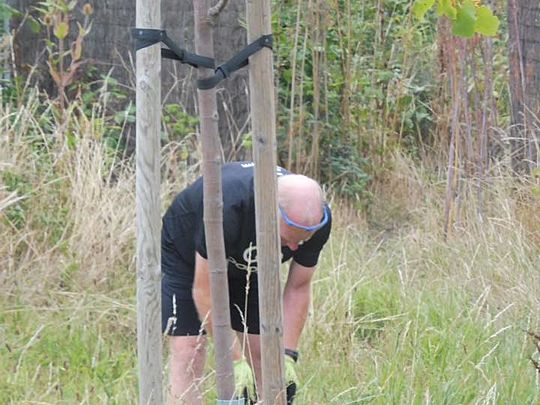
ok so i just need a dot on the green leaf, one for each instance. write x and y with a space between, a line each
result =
465 21
61 30
6 12
71 140
486 24
247 141
421 7
184 153
35 27
445 7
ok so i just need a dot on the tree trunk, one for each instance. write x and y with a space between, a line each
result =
524 56
213 210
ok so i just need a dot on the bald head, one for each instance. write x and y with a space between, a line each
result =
302 199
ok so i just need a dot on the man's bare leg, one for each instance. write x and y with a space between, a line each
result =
188 355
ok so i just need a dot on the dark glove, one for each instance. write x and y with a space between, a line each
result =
291 379
244 383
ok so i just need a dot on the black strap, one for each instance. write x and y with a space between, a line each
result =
292 354
238 61
145 37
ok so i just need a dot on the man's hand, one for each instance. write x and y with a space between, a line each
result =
291 379
244 384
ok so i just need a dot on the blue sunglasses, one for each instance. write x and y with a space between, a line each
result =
313 228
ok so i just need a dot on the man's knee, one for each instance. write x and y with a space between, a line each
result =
186 350
187 355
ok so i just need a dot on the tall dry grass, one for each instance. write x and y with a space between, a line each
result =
402 314
399 315
67 199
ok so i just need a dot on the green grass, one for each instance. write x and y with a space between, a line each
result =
405 320
409 324
399 315
74 348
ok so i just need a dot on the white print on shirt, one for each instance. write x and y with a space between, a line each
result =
250 257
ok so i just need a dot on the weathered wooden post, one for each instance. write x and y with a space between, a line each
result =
261 84
148 101
213 208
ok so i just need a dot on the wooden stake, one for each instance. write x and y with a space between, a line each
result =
213 208
261 84
148 100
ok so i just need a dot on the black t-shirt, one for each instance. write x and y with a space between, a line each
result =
185 226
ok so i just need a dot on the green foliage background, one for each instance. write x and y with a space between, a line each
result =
401 314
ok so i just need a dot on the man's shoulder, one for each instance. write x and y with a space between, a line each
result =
237 176
238 180
246 169
238 188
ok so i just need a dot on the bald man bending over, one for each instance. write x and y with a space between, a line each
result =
304 227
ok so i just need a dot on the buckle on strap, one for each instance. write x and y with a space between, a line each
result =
145 37
237 62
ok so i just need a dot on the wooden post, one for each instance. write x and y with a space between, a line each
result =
148 214
213 209
261 84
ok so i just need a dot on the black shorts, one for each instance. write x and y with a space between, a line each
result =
179 315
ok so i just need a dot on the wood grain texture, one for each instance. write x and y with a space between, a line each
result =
148 100
262 104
